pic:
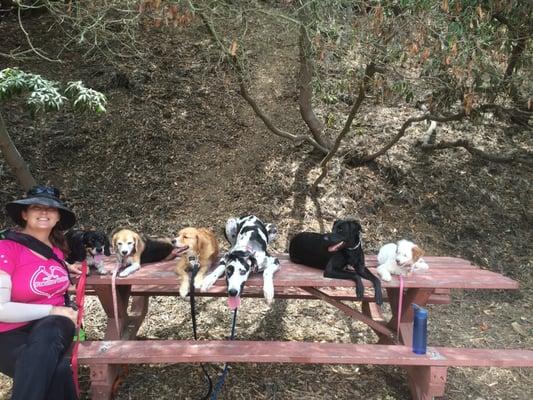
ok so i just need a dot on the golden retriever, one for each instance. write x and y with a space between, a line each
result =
201 243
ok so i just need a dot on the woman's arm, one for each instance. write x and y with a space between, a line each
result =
18 312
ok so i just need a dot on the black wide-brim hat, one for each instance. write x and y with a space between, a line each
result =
45 196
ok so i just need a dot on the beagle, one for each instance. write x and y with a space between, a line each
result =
132 250
199 243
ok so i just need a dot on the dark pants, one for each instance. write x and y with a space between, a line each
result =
34 356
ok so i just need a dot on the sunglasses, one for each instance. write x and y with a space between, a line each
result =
49 190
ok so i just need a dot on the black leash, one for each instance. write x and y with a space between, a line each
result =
222 378
193 261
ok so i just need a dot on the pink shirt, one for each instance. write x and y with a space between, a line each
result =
34 280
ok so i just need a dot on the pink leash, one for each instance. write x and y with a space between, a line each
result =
80 297
114 295
400 303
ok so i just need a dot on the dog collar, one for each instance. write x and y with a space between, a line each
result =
355 247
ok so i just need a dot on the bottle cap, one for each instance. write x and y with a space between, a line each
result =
420 311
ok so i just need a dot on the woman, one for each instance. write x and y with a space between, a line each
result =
36 328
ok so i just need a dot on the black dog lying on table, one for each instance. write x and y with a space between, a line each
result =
88 245
338 253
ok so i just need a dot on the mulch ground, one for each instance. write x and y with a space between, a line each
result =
179 147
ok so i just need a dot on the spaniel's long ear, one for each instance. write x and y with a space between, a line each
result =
417 253
107 250
77 248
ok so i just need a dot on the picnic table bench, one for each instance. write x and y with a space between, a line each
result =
426 373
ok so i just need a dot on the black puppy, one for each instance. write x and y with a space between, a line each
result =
90 246
338 253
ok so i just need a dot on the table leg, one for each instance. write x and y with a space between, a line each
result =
102 380
139 308
425 383
105 295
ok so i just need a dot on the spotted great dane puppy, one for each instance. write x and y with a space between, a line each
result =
249 238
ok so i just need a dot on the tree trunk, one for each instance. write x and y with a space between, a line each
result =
14 159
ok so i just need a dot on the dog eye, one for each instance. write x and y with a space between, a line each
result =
242 272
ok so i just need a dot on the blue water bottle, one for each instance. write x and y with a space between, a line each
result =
420 329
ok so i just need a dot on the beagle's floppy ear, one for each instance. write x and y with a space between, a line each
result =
114 240
139 243
417 253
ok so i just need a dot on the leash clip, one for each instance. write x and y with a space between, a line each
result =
194 262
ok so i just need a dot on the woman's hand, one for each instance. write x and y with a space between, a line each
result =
74 268
65 312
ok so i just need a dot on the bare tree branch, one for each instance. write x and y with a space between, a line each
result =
267 121
517 156
306 91
401 133
36 51
370 70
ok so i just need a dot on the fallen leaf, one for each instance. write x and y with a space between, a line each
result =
518 328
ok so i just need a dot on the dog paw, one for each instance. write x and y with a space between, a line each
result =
128 271
198 282
184 291
420 266
384 275
208 282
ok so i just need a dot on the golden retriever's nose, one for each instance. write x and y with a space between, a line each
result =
124 252
174 241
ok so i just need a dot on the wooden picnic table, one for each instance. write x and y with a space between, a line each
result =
426 374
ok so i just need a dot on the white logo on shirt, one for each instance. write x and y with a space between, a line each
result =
45 277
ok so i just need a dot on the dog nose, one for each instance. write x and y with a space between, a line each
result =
99 249
232 292
173 241
124 252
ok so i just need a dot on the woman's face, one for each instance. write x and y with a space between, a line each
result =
40 217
